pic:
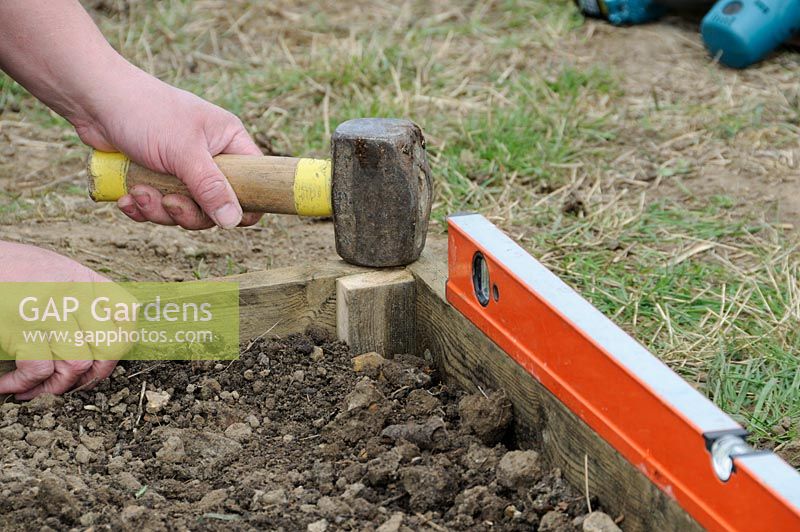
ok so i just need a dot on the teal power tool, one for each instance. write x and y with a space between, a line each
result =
622 12
743 32
740 32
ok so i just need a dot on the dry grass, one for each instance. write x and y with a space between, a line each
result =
655 182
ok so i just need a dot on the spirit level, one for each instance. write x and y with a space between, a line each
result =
687 446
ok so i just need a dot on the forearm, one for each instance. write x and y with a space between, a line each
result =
18 260
22 262
54 49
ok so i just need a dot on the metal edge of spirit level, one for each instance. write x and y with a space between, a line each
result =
710 470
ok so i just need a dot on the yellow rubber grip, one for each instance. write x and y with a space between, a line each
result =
310 192
107 175
312 188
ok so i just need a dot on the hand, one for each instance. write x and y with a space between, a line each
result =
174 132
38 373
53 48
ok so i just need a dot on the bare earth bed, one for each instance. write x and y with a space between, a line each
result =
289 437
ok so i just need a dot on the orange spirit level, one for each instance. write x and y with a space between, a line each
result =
687 446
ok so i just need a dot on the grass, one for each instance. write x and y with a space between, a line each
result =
11 206
579 149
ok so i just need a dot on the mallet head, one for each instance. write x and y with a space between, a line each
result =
381 191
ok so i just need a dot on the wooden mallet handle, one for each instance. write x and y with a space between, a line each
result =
281 185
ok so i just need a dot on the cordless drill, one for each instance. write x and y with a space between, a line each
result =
740 32
743 32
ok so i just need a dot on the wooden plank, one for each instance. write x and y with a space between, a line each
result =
375 311
468 358
281 301
286 300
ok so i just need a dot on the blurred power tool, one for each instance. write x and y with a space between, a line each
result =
621 12
630 12
740 32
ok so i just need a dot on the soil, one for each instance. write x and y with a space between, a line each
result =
289 437
756 167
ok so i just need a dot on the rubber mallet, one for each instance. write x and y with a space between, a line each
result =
377 187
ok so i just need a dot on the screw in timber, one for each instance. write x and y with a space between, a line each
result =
723 451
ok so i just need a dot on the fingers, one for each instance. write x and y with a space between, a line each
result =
211 190
250 218
190 159
148 202
70 362
27 375
65 374
186 212
128 206
100 370
143 204
242 144
174 209
35 377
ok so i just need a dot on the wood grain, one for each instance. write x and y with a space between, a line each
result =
468 358
375 311
262 184
287 300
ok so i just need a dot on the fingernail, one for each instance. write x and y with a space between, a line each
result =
142 198
227 216
125 202
174 210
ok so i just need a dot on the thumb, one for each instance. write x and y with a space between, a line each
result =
210 189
